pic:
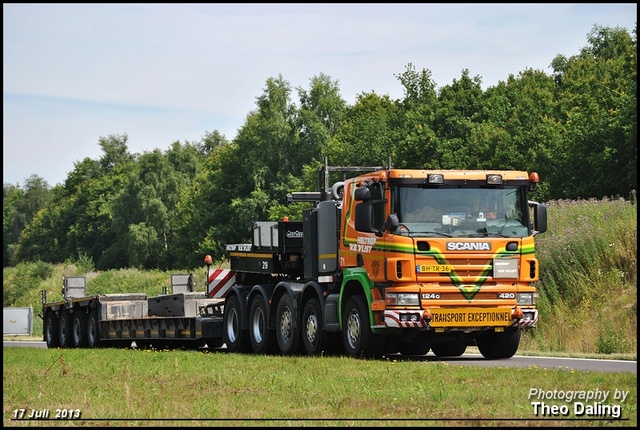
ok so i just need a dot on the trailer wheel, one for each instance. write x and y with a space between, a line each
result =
236 339
79 329
51 330
262 341
499 344
358 339
93 329
286 334
65 329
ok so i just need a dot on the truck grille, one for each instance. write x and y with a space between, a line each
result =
463 270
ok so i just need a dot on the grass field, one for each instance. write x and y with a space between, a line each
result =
129 387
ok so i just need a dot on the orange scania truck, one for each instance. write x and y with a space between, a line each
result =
383 261
392 260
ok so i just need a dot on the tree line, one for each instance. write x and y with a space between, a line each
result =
166 209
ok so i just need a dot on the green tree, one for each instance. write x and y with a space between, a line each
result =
44 238
211 142
458 106
266 157
321 112
417 141
598 109
20 205
203 218
77 220
419 87
367 136
143 213
12 224
115 152
248 179
517 126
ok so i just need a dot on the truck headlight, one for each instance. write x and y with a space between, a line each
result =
402 299
527 299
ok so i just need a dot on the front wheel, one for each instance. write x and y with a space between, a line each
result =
358 339
499 344
286 332
235 338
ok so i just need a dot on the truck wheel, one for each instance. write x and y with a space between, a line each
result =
415 347
79 329
65 329
358 339
312 334
236 339
93 329
259 335
499 344
52 330
453 348
286 334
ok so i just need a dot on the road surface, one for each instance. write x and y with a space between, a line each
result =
474 359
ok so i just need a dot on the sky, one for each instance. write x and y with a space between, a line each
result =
161 73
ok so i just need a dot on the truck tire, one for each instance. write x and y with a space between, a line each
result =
287 335
312 333
314 339
65 329
261 338
415 347
358 339
499 344
52 330
79 329
236 339
93 329
454 348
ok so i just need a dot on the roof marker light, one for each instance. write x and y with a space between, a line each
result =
493 179
435 178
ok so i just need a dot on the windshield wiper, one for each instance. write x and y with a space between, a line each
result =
439 233
485 234
496 234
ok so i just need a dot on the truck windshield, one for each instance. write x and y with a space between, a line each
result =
462 212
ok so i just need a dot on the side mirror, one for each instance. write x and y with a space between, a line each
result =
392 223
362 194
540 218
363 216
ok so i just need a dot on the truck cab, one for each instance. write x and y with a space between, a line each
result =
450 255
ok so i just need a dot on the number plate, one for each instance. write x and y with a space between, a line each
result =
438 268
470 317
